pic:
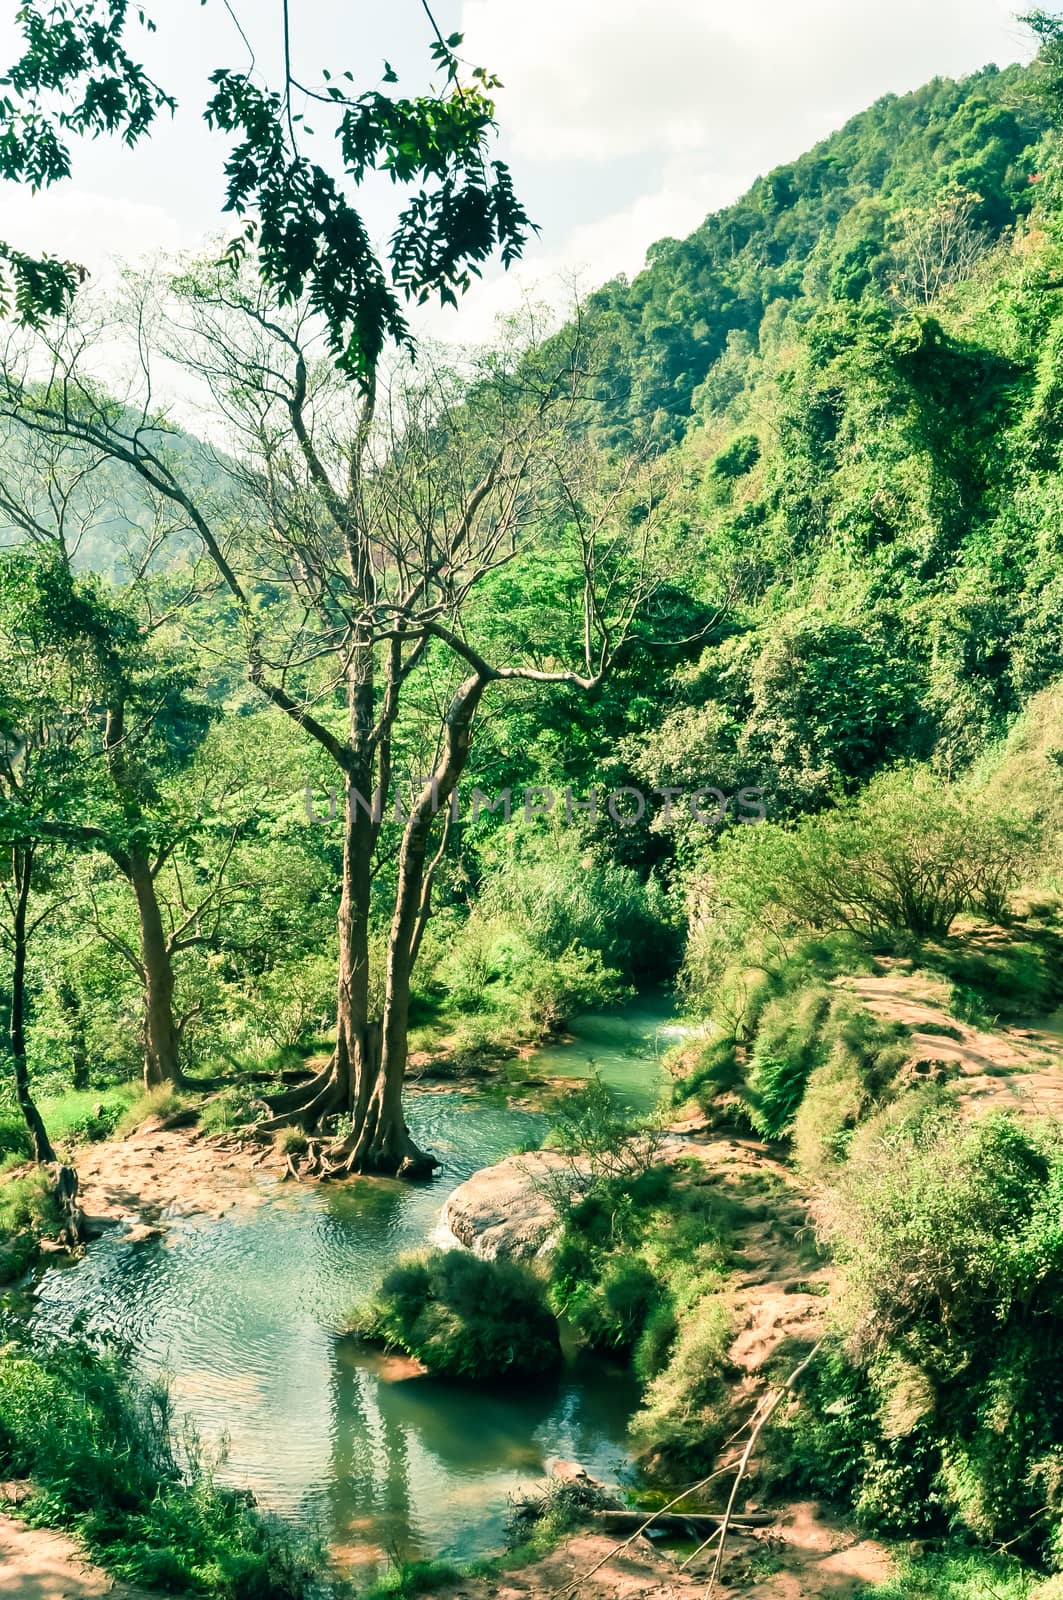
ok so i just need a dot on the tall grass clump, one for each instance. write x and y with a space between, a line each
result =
99 1455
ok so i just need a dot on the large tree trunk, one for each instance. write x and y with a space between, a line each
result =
42 1145
379 1140
344 1084
161 1049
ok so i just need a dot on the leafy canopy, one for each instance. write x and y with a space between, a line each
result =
77 77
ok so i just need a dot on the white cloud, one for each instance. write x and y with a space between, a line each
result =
602 79
693 98
95 230
589 254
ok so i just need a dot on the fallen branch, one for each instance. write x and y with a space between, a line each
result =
767 1407
679 1522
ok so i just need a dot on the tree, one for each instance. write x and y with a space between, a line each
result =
896 863
127 720
937 246
77 77
359 540
40 772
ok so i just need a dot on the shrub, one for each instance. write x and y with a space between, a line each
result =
99 1454
899 861
711 1068
538 1522
638 1268
819 1062
944 1406
964 1575
463 1317
684 1418
232 1108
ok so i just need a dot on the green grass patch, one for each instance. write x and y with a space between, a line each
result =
965 1575
98 1452
83 1116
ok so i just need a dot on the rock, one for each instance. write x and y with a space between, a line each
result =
93 1227
141 1232
505 1212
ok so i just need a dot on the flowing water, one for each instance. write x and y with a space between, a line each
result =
245 1316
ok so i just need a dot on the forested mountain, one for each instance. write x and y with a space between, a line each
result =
859 364
840 223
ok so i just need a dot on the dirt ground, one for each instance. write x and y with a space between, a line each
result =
154 1175
801 1558
36 1564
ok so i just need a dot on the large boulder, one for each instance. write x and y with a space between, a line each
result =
508 1212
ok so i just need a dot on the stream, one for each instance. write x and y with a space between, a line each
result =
245 1317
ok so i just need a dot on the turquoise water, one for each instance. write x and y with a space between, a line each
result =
245 1316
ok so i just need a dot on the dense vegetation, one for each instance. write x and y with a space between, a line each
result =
102 1460
804 559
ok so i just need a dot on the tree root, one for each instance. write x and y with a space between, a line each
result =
306 1107
367 1152
302 1098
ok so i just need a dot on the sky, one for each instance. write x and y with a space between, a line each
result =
624 121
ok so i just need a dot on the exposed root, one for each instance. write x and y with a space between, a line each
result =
302 1097
370 1151
322 1097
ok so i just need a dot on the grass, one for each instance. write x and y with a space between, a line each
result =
161 1101
408 1579
99 1454
965 1575
28 1211
82 1116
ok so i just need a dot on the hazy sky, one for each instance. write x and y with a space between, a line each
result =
624 120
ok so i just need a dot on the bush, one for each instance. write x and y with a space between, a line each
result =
898 862
944 1405
710 1069
463 1317
684 1419
819 1062
99 1455
990 982
963 1575
638 1268
162 1101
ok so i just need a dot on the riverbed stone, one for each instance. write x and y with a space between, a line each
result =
507 1212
